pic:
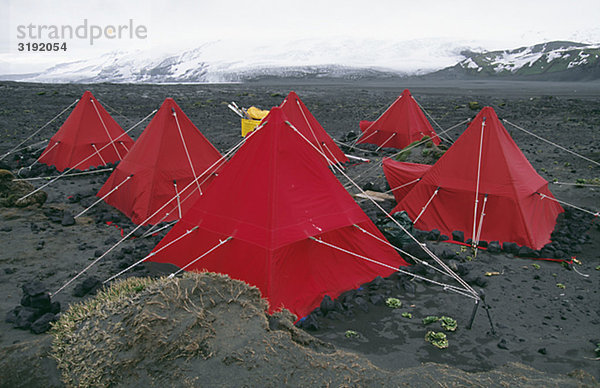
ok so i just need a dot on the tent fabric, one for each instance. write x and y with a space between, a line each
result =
83 130
514 211
273 195
156 162
307 124
400 125
400 175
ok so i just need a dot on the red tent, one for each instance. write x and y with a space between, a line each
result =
159 167
300 116
401 124
507 185
273 198
84 140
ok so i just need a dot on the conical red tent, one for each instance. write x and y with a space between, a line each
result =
257 221
89 137
307 124
400 125
509 191
159 167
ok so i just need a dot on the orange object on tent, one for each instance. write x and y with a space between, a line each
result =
162 165
400 125
307 124
267 217
89 137
483 185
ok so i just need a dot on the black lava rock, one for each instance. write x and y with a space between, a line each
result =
510 247
88 286
494 247
11 316
34 288
40 302
67 219
434 235
26 317
377 299
327 304
42 324
362 304
309 323
503 344
527 252
416 250
458 235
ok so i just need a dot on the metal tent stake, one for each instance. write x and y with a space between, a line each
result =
487 311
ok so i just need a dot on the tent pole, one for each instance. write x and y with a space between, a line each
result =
178 200
385 142
475 306
473 236
98 153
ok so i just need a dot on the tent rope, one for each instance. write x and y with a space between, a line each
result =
100 156
331 153
552 143
477 184
84 160
423 246
432 119
443 285
575 184
373 122
480 226
414 258
187 153
152 230
106 129
309 126
38 130
64 176
365 139
395 188
221 242
426 205
178 200
351 146
156 212
187 232
385 142
544 196
113 110
41 156
103 197
124 146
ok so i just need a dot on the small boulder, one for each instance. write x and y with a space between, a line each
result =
458 235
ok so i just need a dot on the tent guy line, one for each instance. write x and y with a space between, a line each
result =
105 130
552 143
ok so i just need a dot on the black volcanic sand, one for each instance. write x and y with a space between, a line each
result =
537 323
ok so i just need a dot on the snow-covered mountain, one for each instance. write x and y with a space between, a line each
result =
550 61
231 61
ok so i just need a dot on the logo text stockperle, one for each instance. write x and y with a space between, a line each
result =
91 32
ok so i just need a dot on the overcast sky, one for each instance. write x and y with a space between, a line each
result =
175 25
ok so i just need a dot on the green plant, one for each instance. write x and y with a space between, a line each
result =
430 319
439 340
448 323
407 315
561 286
393 303
351 334
536 266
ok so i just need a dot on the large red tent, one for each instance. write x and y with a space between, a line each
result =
401 124
89 137
483 164
307 124
267 217
168 156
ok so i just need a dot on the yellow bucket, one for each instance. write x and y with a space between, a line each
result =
248 126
